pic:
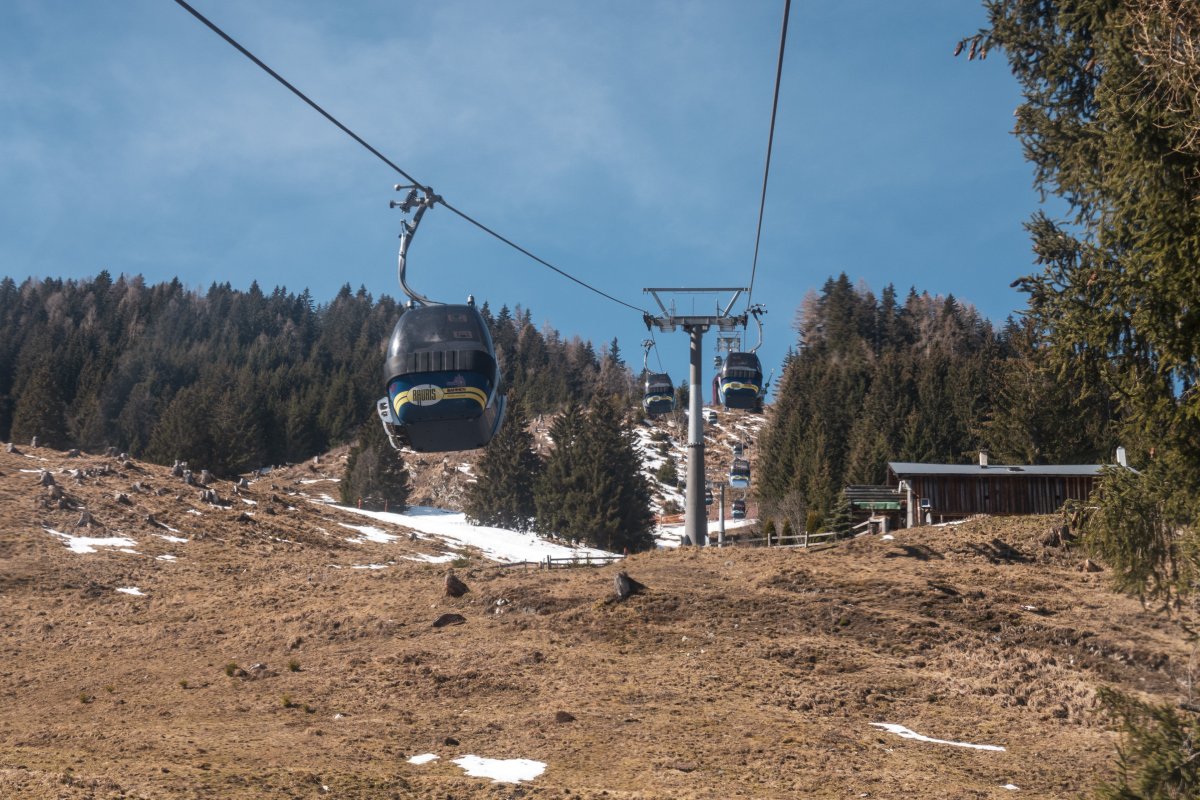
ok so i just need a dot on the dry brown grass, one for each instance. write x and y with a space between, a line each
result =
739 674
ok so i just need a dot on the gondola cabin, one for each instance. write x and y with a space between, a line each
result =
659 397
741 380
739 474
739 509
443 381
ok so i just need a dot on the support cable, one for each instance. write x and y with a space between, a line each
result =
258 62
787 7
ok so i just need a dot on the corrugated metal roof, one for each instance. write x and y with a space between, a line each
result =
903 468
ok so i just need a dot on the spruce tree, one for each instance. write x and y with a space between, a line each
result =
376 476
559 493
503 493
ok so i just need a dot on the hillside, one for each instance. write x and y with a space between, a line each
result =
440 479
282 647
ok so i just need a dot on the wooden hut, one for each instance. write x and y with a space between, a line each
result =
939 492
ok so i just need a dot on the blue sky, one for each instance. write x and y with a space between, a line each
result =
621 140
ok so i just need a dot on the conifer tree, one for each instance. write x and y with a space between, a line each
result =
40 408
559 493
376 475
503 494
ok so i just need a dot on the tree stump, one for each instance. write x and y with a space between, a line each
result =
205 477
449 619
123 499
33 442
12 448
85 520
46 479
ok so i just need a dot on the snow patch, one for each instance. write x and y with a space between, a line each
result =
370 534
905 733
424 758
131 590
497 544
175 539
501 770
369 566
85 544
431 559
194 511
165 557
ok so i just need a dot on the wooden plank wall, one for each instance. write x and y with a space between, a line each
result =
959 495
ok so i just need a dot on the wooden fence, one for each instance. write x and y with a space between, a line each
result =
585 560
805 540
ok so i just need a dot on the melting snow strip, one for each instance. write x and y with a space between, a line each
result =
131 590
370 534
905 733
175 539
165 557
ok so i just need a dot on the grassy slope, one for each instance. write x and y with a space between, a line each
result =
740 674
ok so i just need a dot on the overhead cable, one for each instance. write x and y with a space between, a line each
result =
787 7
257 61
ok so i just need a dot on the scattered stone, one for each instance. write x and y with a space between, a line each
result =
177 469
150 520
242 483
450 741
138 487
123 499
12 448
205 477
563 716
188 478
1090 566
110 452
244 517
73 453
85 520
1059 536
55 492
46 479
454 586
683 766
449 619
627 586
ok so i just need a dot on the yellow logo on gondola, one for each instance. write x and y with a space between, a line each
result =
739 387
427 394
